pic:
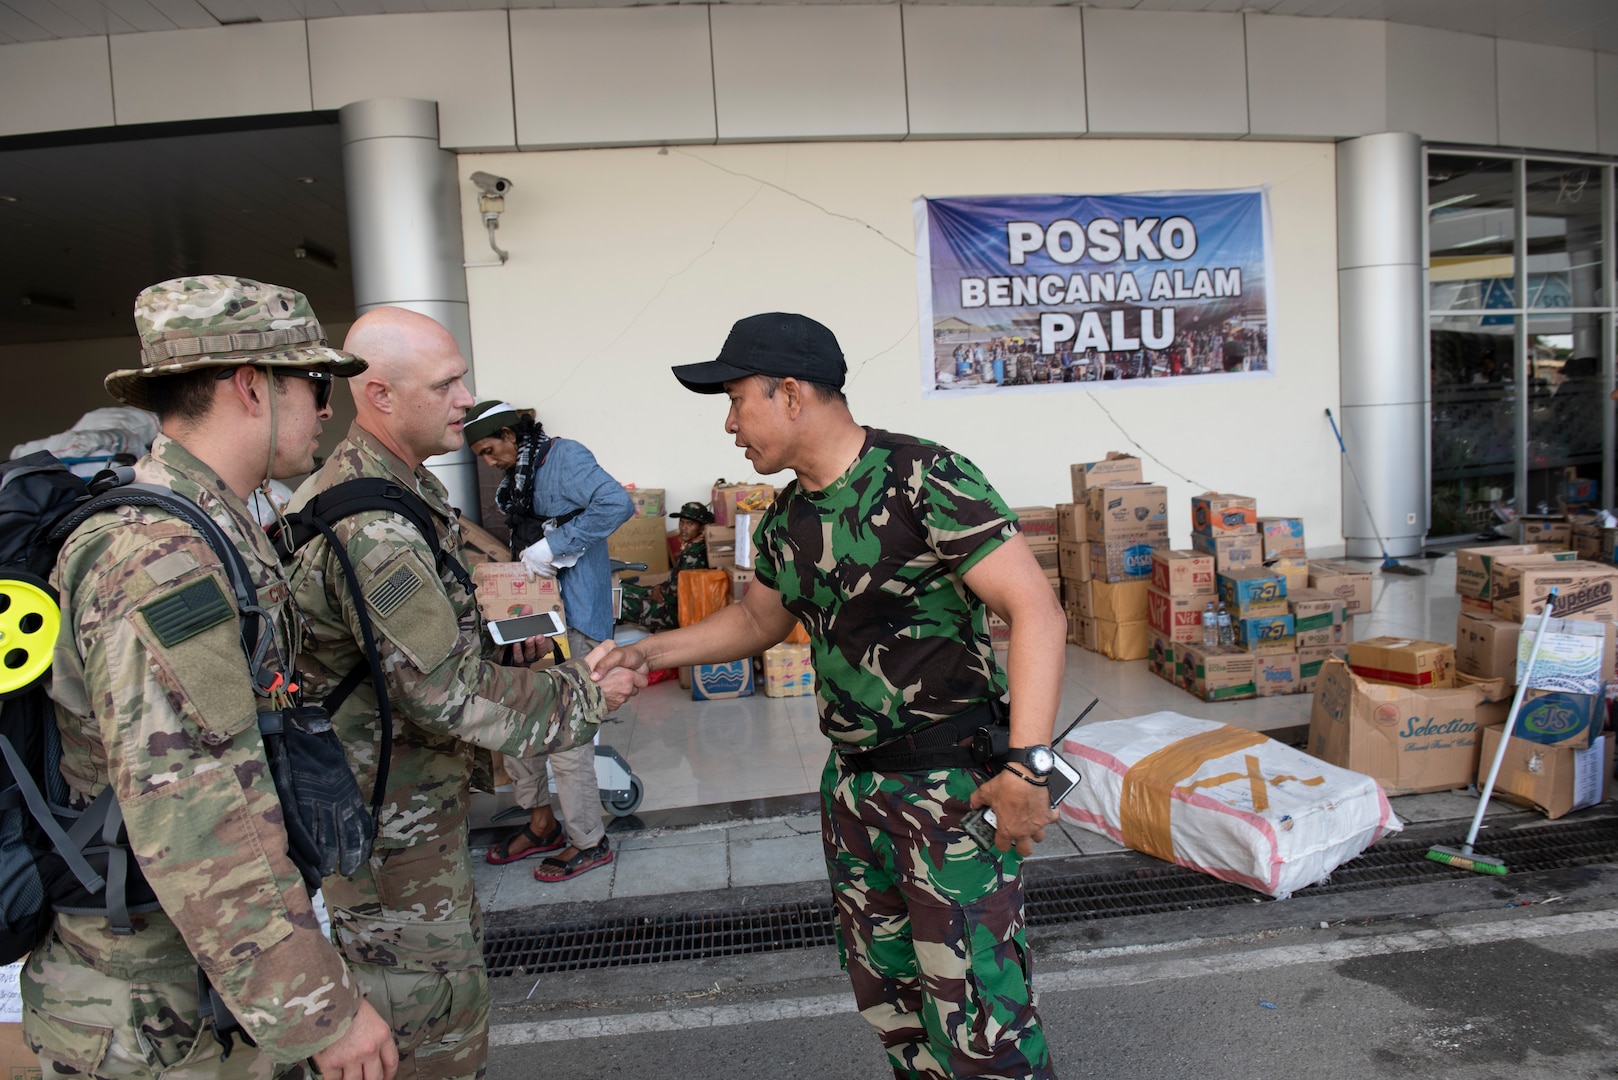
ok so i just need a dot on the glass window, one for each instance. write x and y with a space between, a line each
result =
1564 235
1474 431
1565 410
1472 232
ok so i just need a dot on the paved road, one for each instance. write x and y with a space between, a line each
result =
1499 978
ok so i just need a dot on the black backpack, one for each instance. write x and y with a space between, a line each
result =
53 858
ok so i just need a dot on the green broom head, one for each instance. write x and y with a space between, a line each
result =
1478 864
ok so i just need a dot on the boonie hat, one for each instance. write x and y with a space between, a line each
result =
694 511
486 418
778 344
214 320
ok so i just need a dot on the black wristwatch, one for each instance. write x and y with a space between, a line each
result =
1040 760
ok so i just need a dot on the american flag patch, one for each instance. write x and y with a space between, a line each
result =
393 590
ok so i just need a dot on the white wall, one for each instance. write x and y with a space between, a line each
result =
624 262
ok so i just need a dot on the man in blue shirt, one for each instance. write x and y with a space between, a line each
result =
560 506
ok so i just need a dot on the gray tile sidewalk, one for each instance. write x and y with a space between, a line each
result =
786 850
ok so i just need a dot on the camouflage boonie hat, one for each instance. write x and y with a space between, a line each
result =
215 320
694 511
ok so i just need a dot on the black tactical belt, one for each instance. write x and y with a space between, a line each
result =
936 746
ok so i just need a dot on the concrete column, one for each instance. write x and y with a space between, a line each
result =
1382 334
404 231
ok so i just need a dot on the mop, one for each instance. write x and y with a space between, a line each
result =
1464 858
1390 565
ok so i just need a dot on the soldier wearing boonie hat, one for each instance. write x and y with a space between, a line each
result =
153 699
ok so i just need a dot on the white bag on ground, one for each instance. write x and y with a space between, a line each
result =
1223 800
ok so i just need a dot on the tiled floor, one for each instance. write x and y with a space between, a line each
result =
696 753
700 753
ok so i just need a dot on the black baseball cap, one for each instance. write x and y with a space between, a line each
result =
778 344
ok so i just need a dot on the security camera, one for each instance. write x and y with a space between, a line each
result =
490 184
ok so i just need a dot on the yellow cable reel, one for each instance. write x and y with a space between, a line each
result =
29 623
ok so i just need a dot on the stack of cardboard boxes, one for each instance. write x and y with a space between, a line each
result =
1428 716
1288 615
1107 537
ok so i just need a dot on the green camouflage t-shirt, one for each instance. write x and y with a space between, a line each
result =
872 566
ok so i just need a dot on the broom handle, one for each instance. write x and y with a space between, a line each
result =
1365 504
1511 723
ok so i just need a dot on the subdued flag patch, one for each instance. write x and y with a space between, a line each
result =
187 612
386 595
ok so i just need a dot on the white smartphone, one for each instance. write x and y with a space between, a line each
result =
980 824
523 627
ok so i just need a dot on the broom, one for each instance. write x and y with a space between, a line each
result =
1464 858
1390 565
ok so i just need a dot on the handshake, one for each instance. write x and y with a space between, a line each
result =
620 670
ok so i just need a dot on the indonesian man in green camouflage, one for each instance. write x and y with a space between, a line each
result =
889 549
408 922
154 700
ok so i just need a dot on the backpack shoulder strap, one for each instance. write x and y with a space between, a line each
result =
367 493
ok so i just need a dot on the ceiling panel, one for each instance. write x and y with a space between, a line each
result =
139 14
227 202
19 27
48 16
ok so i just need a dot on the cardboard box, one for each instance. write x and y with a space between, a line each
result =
1348 583
1295 571
1408 740
999 632
1283 538
720 541
642 539
1278 675
717 682
1081 630
1555 780
1128 510
506 590
1575 655
1120 602
1048 559
1222 673
1552 532
479 546
1177 618
1079 595
1122 641
1556 718
741 579
1231 552
1424 665
1073 561
1266 634
1124 558
1116 468
649 502
1311 659
1072 522
788 671
1216 514
1319 618
1250 591
1037 525
1474 568
1183 573
1160 657
728 498
1585 590
1593 542
17 1062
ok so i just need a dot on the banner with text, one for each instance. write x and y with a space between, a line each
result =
1044 291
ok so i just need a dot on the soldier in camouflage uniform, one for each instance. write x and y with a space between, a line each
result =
657 607
888 548
153 698
408 922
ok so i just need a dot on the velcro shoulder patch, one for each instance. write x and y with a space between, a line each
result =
387 594
187 611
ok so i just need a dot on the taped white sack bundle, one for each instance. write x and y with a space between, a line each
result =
1226 801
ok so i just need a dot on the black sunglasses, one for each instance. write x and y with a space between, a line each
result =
324 383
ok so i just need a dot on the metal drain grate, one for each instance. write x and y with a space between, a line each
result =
1152 890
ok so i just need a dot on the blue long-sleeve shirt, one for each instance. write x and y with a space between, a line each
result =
570 479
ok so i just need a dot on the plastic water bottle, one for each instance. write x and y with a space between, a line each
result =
1210 627
1227 633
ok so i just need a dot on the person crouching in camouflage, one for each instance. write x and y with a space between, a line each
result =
153 699
408 921
888 548
657 607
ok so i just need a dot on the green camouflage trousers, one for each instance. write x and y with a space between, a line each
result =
930 926
409 926
83 1022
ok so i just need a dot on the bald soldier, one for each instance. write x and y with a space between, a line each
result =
408 922
155 701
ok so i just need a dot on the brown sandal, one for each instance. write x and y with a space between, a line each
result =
501 854
554 869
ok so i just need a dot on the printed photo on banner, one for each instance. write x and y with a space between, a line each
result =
1039 292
